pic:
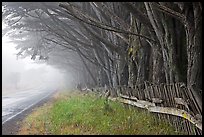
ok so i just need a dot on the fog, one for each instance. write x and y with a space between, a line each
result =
23 74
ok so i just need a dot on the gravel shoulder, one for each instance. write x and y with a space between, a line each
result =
12 126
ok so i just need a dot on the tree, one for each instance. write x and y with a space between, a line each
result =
106 43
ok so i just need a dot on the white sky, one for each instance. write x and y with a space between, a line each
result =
10 64
9 56
9 59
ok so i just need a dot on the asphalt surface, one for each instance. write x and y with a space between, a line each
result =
16 106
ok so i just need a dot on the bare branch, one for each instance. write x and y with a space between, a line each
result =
169 11
104 26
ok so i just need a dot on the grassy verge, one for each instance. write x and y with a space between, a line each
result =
76 113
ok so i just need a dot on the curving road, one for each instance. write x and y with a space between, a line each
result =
15 104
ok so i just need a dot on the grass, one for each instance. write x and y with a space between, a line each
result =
77 113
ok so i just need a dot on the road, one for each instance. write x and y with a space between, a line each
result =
16 103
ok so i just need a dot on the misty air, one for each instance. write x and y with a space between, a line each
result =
101 68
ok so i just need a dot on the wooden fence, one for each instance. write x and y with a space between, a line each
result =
172 102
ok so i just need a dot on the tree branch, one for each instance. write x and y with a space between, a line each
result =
169 11
102 26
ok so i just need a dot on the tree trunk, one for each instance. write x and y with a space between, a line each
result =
86 66
193 27
132 53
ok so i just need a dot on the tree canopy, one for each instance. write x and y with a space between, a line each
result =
112 43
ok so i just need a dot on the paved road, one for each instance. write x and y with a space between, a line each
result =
15 104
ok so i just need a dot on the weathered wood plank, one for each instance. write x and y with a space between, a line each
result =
171 95
165 110
177 112
127 97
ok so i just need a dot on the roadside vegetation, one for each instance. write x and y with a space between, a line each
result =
78 113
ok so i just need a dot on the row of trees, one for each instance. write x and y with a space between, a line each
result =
113 43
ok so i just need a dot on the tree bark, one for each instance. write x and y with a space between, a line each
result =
193 27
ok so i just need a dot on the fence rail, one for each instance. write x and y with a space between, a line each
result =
173 102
